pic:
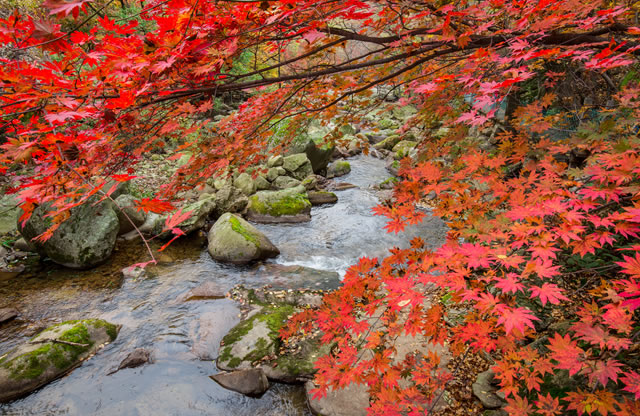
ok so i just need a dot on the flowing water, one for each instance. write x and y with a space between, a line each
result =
184 336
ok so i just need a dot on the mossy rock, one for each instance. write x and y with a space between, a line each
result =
83 241
298 166
245 183
274 172
387 124
288 205
233 240
338 168
47 357
322 197
403 149
229 199
388 143
285 182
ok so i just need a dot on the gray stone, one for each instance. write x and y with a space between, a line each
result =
298 166
485 390
8 314
353 400
274 172
404 112
200 212
51 354
252 382
127 213
10 271
285 182
318 153
341 186
288 205
310 183
22 245
403 149
230 199
388 143
233 240
205 291
274 161
84 240
136 358
9 213
322 197
262 184
338 168
152 225
245 183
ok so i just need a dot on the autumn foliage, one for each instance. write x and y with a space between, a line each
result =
544 228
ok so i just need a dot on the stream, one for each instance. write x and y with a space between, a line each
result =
184 336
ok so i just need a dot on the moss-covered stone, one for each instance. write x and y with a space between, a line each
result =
50 354
298 165
288 205
232 239
403 149
338 168
388 143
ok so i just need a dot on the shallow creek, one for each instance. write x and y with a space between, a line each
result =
154 315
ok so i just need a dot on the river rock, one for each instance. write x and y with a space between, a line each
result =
288 205
245 183
322 197
136 358
9 213
8 314
318 153
46 357
338 168
127 213
310 182
230 199
353 400
341 186
275 161
205 291
84 240
233 240
22 245
298 166
285 182
388 143
403 149
262 184
252 382
200 212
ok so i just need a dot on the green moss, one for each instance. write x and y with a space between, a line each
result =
288 205
237 227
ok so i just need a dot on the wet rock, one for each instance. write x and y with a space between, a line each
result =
85 240
133 272
8 314
207 290
353 400
289 205
51 354
338 168
280 276
252 382
127 213
232 239
485 390
340 186
298 166
245 183
322 197
209 329
285 182
136 358
10 271
152 226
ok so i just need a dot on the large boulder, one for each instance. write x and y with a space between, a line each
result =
51 354
338 168
8 214
84 240
128 214
298 166
233 240
288 205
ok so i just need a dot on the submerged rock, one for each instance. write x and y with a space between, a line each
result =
136 358
51 354
338 168
233 240
289 205
84 240
322 197
252 382
8 314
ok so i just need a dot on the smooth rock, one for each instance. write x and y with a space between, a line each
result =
136 358
9 272
285 182
322 197
341 186
274 161
353 400
84 240
252 382
205 291
22 245
288 205
234 240
46 357
298 166
9 213
245 183
338 168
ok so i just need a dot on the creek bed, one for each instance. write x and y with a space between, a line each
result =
154 315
